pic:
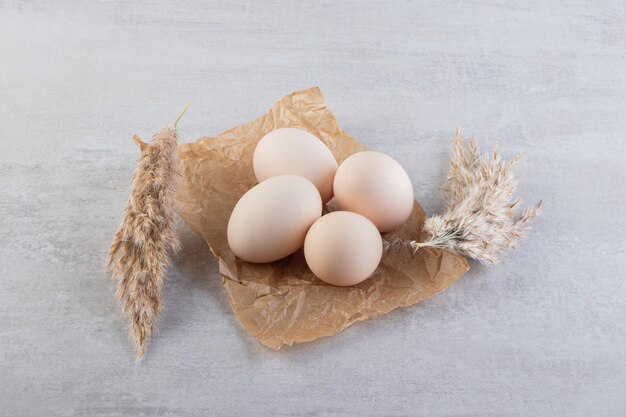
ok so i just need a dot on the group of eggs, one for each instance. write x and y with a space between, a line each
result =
297 176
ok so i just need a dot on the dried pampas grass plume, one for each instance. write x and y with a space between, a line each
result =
481 220
141 249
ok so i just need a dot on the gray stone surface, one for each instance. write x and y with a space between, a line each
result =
542 334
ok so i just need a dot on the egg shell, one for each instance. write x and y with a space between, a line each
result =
271 220
375 185
296 152
343 248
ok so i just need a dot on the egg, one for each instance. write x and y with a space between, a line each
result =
271 220
375 185
343 248
296 152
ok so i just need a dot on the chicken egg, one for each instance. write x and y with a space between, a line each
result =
271 220
343 248
375 185
296 152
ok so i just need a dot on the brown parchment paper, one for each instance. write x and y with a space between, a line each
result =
282 302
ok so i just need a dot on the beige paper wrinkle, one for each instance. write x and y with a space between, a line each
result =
282 302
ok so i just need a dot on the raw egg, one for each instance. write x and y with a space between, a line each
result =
271 220
375 185
343 248
296 152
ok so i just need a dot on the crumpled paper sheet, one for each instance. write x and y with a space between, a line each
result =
282 302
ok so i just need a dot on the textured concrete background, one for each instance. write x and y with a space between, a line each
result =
542 334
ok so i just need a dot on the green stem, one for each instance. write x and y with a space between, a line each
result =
445 241
180 115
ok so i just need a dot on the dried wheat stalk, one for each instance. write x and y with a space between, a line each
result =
141 249
481 220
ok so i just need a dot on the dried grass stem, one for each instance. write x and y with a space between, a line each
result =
142 245
481 220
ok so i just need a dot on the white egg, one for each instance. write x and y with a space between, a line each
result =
296 152
271 220
343 248
376 186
